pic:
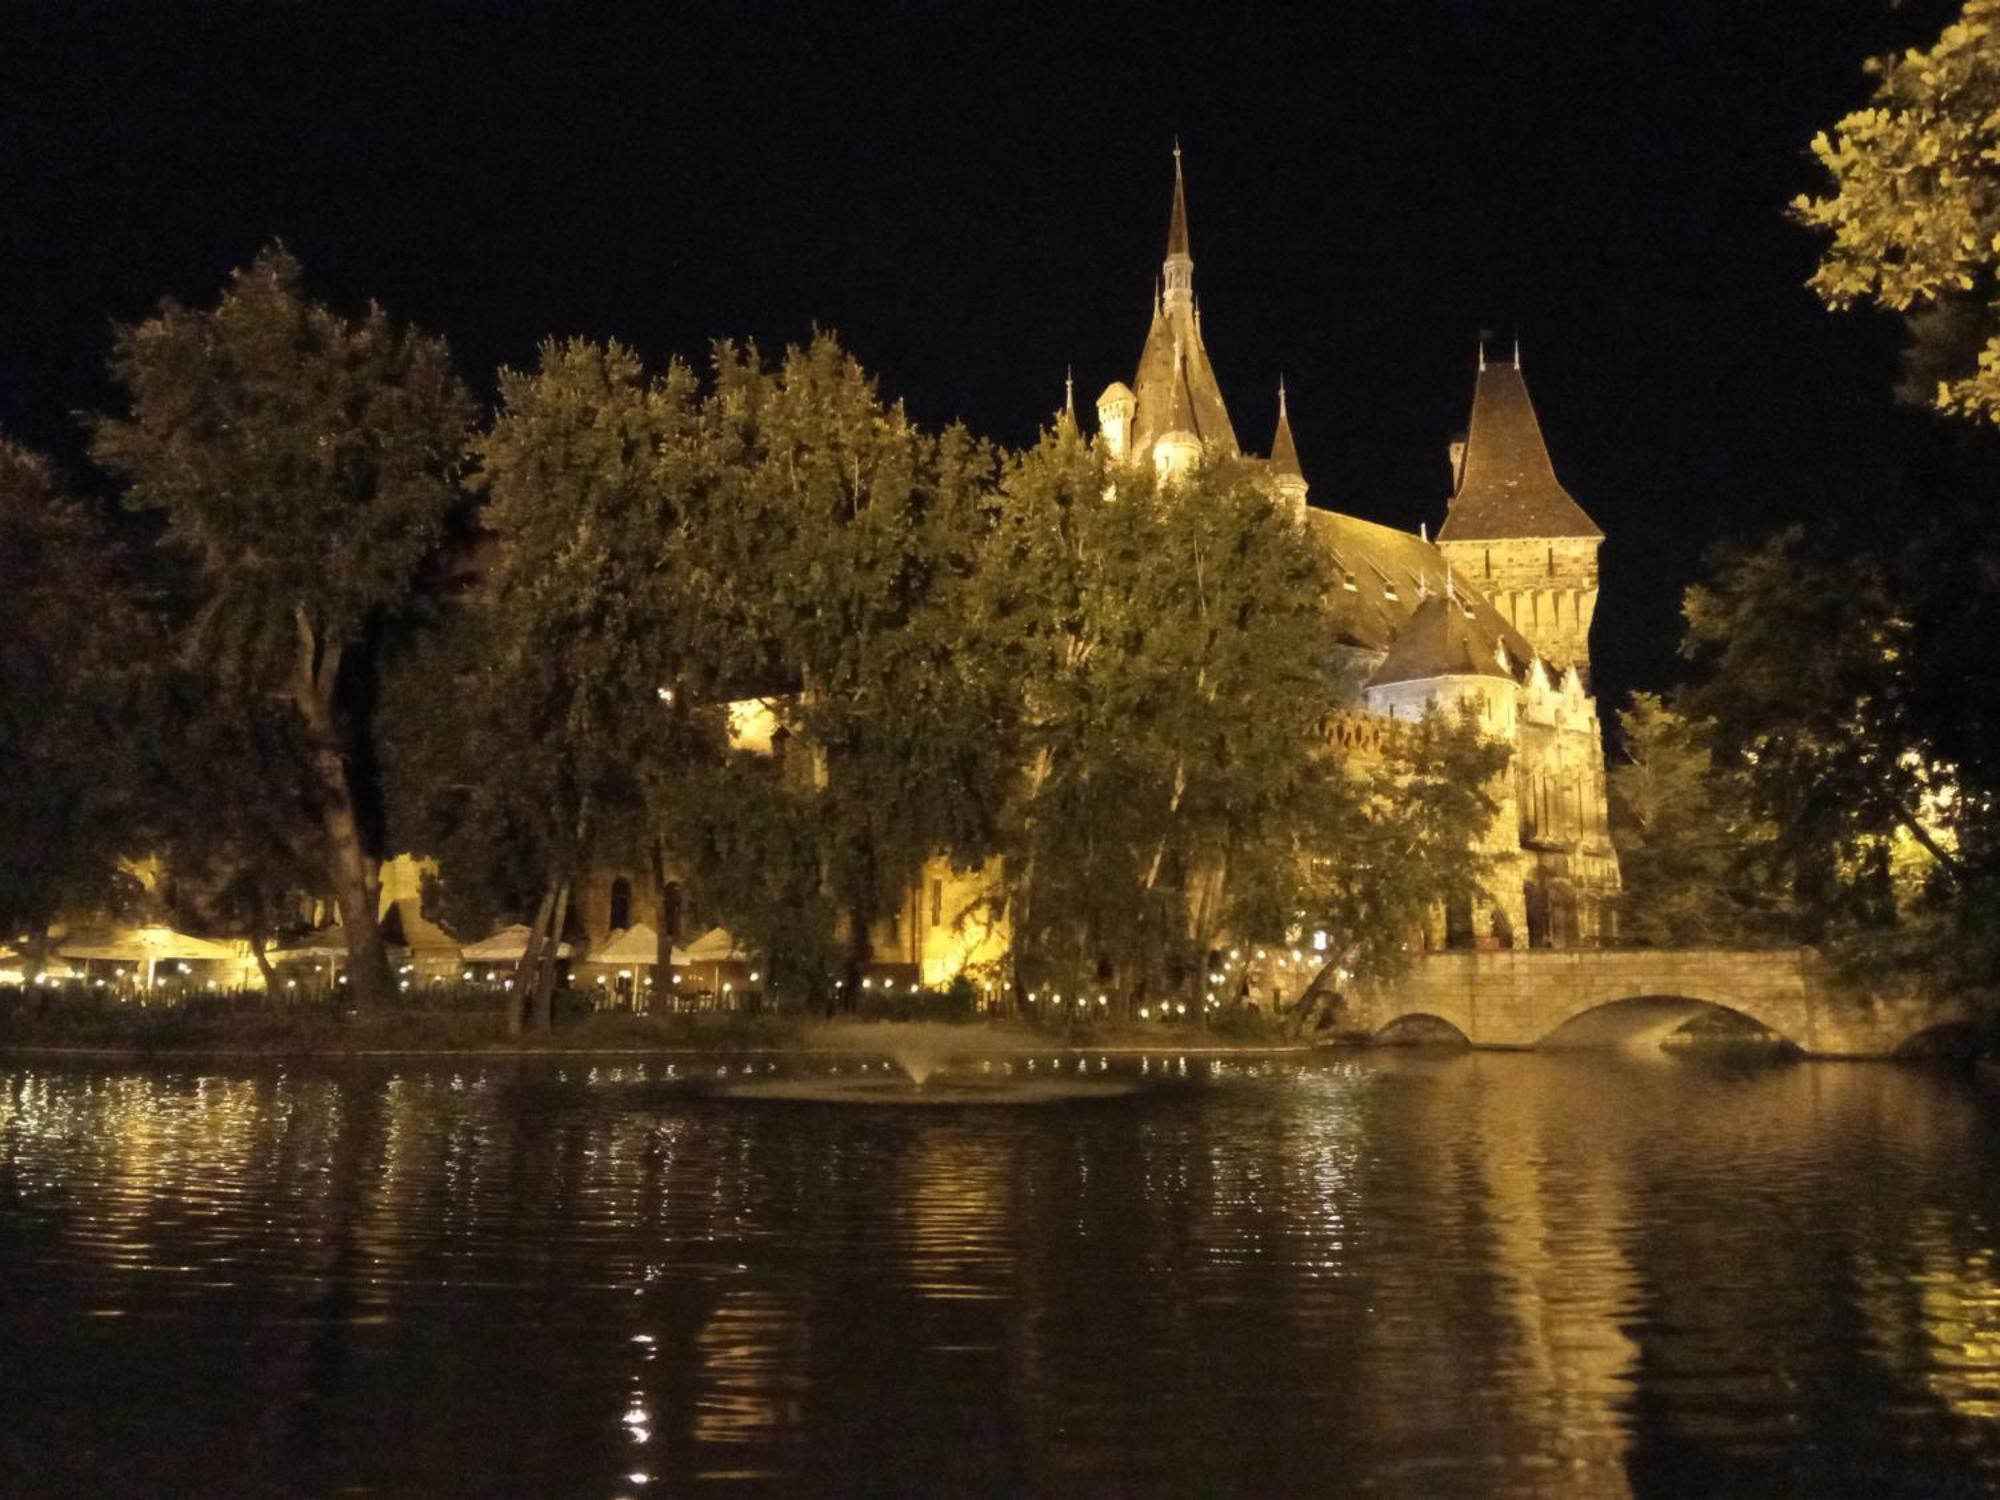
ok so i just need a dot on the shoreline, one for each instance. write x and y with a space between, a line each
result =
435 1036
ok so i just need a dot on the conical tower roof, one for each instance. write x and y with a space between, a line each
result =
1175 353
1180 405
1284 452
1440 639
1507 486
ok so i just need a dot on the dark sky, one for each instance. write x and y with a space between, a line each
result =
976 197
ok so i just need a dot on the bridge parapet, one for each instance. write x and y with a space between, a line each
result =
1516 998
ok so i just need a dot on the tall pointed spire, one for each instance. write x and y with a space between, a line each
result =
1177 231
1164 377
1288 480
1284 452
1178 269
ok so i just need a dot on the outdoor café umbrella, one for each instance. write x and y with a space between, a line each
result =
326 946
507 946
149 947
637 947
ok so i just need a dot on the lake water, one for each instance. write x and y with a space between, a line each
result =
1397 1275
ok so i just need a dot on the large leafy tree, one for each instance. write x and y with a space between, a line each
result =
1167 647
72 640
546 718
835 544
305 463
1384 841
1913 213
1688 842
1829 679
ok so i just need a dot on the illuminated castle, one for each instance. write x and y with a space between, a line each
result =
1495 613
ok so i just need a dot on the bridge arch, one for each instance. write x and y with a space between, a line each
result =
1583 997
1420 1028
1649 1020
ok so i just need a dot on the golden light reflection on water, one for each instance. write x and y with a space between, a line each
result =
1479 1275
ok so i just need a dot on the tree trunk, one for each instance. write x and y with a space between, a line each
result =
349 872
525 972
263 959
1021 899
858 954
669 920
540 1013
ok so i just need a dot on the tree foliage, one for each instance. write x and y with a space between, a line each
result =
1828 682
1914 211
1168 644
304 463
1688 844
836 543
539 716
72 639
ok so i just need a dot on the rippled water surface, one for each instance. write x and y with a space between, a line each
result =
1404 1276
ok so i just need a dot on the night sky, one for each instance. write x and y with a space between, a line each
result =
977 198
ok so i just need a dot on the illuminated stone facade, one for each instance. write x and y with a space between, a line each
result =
1495 613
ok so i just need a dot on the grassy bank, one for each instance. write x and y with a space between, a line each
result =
83 1021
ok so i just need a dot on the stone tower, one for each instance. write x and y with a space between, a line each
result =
1513 530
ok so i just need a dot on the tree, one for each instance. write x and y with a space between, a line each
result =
1826 677
305 463
1686 837
1392 841
1914 211
1166 650
576 669
73 639
835 543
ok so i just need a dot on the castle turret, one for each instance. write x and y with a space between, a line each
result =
1512 528
1115 409
1288 480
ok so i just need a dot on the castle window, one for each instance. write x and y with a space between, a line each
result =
621 904
937 903
1489 562
1552 562
1347 582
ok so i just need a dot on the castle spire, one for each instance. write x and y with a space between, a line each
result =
1287 478
1177 232
1284 452
1178 269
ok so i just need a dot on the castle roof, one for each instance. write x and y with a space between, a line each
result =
1175 354
1385 576
1284 452
1507 486
1161 372
1441 638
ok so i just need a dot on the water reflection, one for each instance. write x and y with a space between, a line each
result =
1472 1275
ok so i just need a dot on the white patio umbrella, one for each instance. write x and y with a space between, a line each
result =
326 946
148 946
637 947
715 946
508 945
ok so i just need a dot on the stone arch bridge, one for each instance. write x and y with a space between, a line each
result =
1579 997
